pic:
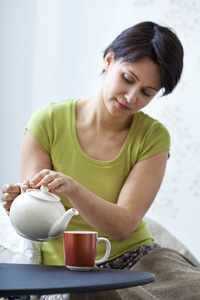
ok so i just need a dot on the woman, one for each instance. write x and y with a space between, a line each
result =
102 155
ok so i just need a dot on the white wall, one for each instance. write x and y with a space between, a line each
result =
51 50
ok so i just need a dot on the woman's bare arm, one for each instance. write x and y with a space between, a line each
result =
32 160
116 220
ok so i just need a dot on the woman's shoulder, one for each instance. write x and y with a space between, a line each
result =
149 130
148 123
52 113
151 135
143 117
54 109
59 106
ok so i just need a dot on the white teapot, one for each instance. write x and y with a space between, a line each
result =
39 215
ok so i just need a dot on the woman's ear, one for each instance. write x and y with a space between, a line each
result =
109 58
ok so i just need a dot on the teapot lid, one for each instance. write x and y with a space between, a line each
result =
43 194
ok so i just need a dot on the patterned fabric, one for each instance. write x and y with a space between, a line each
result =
127 260
55 297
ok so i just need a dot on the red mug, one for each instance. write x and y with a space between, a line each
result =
80 248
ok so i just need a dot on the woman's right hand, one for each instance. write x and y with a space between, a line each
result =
10 192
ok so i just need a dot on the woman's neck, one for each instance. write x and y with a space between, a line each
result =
93 112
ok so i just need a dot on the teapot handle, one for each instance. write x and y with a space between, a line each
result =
20 185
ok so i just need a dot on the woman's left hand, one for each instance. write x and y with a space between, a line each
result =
57 182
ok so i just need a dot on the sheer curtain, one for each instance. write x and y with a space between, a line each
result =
52 50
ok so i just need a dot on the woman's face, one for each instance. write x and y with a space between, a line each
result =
128 87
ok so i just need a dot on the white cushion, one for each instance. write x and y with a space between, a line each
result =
14 248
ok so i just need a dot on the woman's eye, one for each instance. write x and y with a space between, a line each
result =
127 79
148 94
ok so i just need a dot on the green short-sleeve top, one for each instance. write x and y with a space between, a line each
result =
54 128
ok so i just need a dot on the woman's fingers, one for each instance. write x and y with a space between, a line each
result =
56 182
47 178
36 181
9 193
11 188
52 179
26 185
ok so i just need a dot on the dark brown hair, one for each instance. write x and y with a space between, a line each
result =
161 44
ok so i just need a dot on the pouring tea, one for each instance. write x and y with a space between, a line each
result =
39 215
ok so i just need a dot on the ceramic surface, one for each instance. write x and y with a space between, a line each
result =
39 215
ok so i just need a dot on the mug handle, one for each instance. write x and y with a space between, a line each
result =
108 249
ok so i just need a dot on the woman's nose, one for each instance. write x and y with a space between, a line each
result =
131 95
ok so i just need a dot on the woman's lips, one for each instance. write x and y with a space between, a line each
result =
122 106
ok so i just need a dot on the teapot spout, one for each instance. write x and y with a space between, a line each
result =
60 225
